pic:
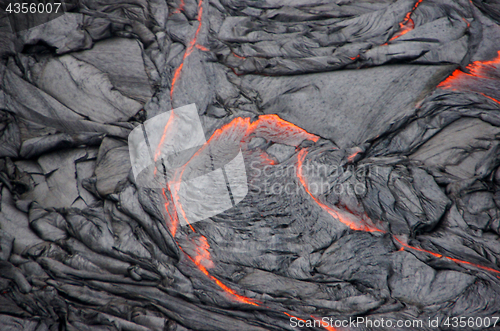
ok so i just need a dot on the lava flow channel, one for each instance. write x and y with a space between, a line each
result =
240 131
342 216
482 78
407 24
189 49
349 220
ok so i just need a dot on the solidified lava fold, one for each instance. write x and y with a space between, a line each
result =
206 165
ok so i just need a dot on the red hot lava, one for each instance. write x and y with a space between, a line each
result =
180 8
480 78
344 217
190 47
271 127
407 24
240 131
365 224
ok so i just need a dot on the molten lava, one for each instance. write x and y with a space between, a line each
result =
342 216
349 220
189 49
272 128
407 24
238 56
481 73
174 218
180 8
240 131
403 245
351 157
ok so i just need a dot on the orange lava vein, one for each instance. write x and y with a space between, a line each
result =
180 8
446 257
352 156
174 220
271 127
238 56
407 24
189 49
477 71
162 139
368 228
335 214
202 48
226 289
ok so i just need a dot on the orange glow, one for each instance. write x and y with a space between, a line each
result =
478 70
162 139
180 8
226 289
238 56
189 49
202 48
174 220
241 130
351 157
484 95
300 319
354 57
337 214
407 24
203 255
177 73
179 205
467 22
446 257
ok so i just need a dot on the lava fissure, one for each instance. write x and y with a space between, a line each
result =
467 81
366 227
189 49
407 24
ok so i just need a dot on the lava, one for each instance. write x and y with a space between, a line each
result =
346 219
202 48
403 245
351 157
239 130
202 261
180 8
238 56
189 49
478 71
162 139
407 24
174 219
226 289
337 214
